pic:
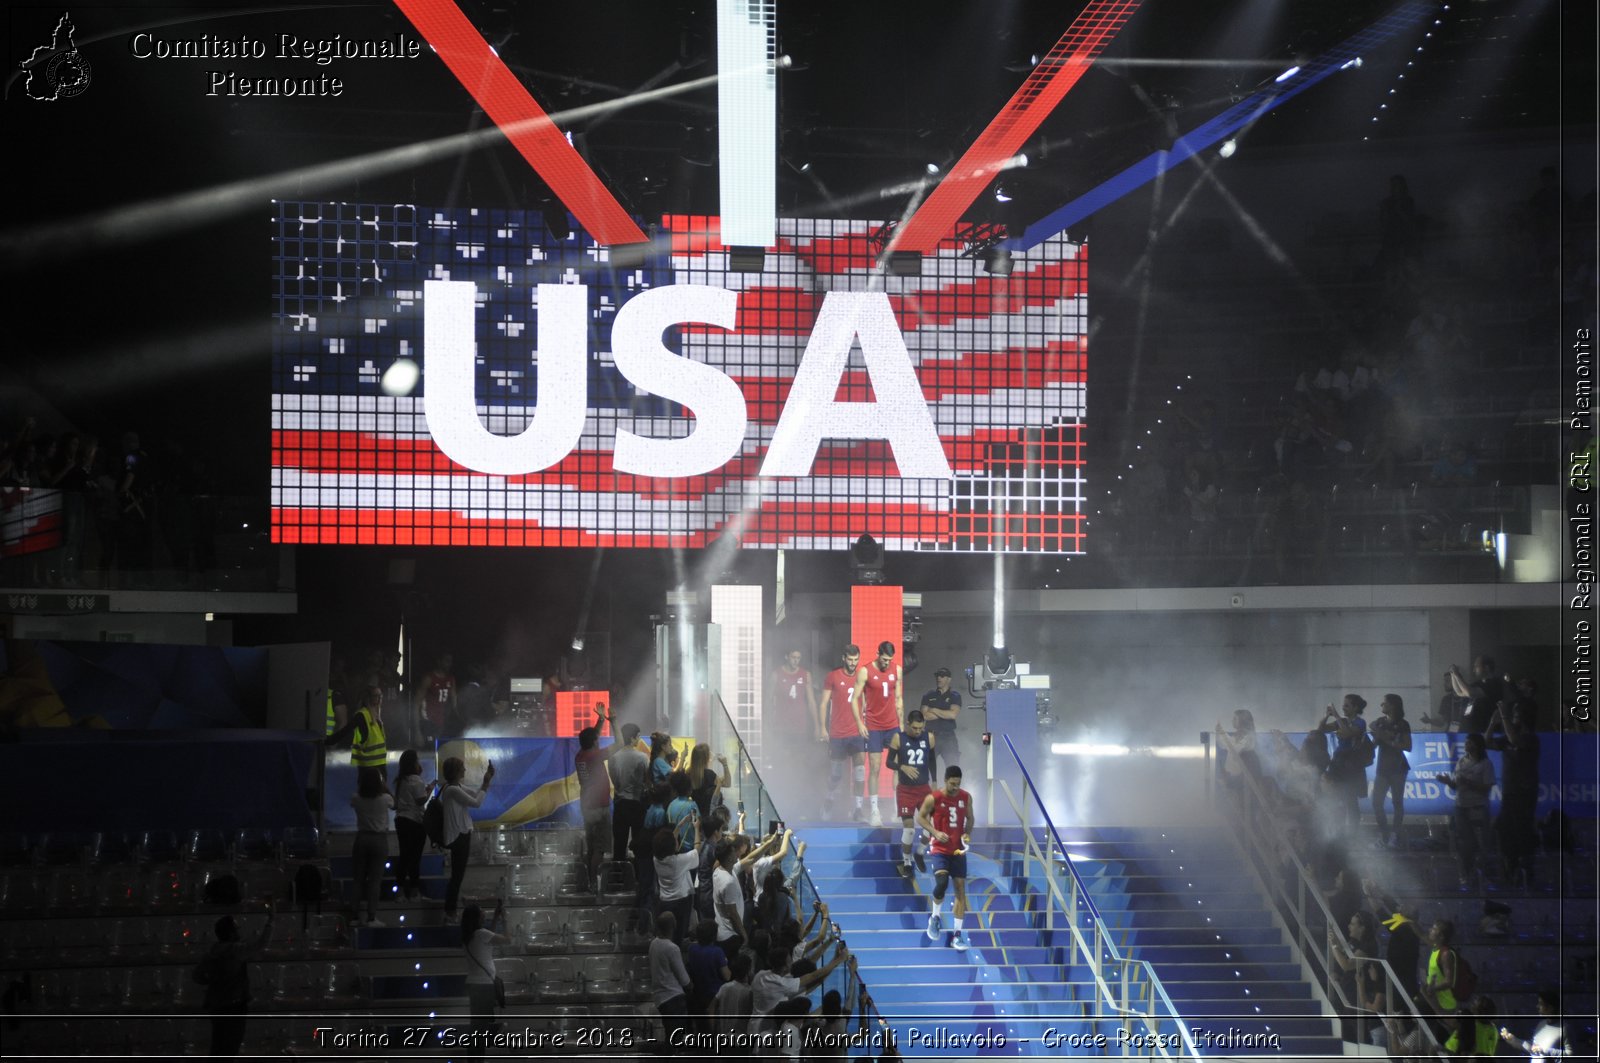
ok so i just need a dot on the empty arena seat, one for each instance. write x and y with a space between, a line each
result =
592 930
301 843
557 846
292 983
556 978
206 846
253 844
531 883
339 984
542 929
607 977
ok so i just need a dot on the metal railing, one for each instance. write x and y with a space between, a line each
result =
1293 889
1134 994
748 790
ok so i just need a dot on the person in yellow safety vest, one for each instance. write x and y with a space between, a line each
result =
1439 987
368 747
1476 1036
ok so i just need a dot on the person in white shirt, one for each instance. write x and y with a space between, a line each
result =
1549 1040
727 898
675 878
730 1008
458 799
771 987
669 980
373 803
410 797
479 941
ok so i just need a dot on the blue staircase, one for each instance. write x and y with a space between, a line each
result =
1183 902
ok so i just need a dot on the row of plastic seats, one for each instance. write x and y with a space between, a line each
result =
171 987
110 1037
27 943
505 845
333 984
86 890
159 846
563 929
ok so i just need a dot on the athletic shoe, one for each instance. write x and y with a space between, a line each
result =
861 814
935 924
904 870
877 817
959 942
916 855
376 924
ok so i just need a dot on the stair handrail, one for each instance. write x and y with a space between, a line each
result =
1263 829
882 1032
1159 1006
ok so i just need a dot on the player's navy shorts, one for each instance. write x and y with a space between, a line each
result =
877 741
908 799
955 865
845 748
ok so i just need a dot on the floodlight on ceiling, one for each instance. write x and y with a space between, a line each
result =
997 262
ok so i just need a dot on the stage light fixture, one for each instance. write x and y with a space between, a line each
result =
932 168
1286 75
866 560
905 263
555 219
1229 146
997 262
747 259
1000 195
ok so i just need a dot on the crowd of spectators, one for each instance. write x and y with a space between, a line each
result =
124 508
1306 803
729 947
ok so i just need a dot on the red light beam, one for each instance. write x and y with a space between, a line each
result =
526 124
1044 88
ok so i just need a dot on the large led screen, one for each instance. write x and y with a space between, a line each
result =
564 400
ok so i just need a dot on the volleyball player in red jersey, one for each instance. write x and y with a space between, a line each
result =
839 717
883 708
947 817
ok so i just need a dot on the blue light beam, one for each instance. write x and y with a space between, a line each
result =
1241 114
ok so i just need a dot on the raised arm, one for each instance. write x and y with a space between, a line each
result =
815 978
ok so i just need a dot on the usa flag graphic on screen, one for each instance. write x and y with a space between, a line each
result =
566 400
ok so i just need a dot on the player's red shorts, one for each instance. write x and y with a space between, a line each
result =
909 798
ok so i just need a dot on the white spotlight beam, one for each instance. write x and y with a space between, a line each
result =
747 121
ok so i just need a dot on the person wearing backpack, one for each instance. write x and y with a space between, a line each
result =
456 800
1346 775
411 798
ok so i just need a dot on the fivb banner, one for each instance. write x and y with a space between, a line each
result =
566 401
1567 773
535 781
